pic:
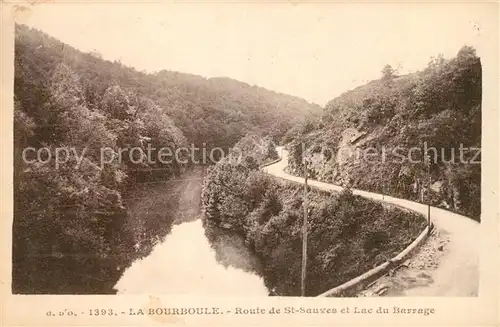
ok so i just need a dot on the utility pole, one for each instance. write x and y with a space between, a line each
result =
428 194
304 234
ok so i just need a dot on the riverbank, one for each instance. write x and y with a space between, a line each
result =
174 255
347 234
186 263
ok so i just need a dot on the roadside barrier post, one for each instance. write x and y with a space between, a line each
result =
383 188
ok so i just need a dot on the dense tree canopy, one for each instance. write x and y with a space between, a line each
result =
215 111
71 219
347 234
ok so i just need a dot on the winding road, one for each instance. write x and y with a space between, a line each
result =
446 265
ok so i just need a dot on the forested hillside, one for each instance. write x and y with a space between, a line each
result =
347 234
72 220
439 106
213 111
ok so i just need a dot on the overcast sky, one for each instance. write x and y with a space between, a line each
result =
315 51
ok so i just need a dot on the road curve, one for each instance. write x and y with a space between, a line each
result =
448 268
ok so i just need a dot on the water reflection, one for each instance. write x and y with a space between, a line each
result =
186 264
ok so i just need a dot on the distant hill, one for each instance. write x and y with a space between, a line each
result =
439 106
215 111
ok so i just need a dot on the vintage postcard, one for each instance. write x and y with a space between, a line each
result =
249 163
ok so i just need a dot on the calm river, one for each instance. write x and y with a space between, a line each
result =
186 263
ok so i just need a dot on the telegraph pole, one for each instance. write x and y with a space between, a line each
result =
428 194
304 235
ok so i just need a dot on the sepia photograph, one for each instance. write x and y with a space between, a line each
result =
244 150
139 168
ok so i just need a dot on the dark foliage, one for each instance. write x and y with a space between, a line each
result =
439 106
72 221
347 234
